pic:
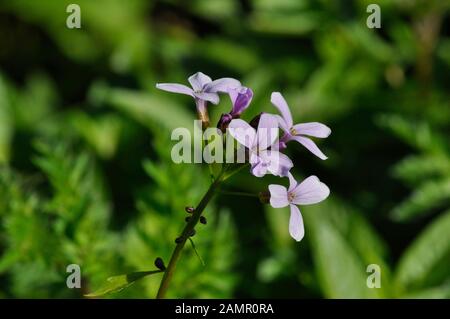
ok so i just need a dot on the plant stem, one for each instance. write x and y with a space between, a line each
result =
185 236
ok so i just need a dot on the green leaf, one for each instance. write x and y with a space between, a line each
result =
117 283
440 292
430 251
416 168
427 196
297 23
196 252
102 133
147 109
6 123
416 133
343 245
341 273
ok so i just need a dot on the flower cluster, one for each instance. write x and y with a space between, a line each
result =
260 138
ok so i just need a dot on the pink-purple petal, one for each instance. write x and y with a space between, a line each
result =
259 168
175 88
267 132
282 124
276 162
210 97
198 81
314 129
292 182
242 132
241 98
280 103
222 85
278 196
310 145
310 191
296 227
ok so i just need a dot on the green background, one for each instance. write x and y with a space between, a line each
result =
86 176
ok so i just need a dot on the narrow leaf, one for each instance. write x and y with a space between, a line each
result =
427 253
196 252
117 283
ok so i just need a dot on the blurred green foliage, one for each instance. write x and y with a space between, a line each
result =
85 169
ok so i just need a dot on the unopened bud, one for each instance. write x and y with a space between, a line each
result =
225 119
189 209
203 220
264 197
159 263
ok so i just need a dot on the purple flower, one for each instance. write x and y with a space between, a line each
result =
262 145
204 89
298 132
310 191
240 98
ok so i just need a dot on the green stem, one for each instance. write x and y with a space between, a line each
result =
187 231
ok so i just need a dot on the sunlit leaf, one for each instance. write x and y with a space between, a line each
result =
428 252
425 197
117 283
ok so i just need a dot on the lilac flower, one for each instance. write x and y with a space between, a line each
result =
204 89
262 145
298 132
310 191
240 98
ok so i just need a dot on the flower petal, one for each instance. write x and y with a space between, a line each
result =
267 132
210 97
258 168
199 80
175 88
276 162
314 129
292 182
241 99
310 191
278 196
280 103
310 145
242 132
221 85
282 124
296 228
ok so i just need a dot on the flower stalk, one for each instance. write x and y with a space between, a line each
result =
187 231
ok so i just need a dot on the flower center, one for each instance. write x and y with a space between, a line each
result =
291 196
293 131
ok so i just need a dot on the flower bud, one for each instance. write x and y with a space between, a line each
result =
159 263
189 209
264 197
225 119
203 220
